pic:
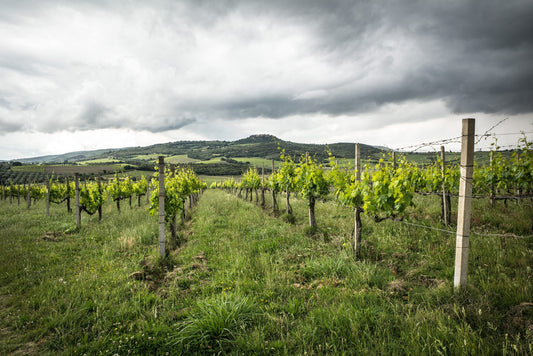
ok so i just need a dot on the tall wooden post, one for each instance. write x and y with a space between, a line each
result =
465 201
358 224
29 195
162 247
492 187
100 191
47 196
274 202
148 193
263 185
393 161
445 201
77 192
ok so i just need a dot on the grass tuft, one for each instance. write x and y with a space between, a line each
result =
215 323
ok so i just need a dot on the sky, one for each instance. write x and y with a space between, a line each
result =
82 75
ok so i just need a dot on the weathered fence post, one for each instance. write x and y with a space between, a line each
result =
148 193
465 202
357 215
162 247
29 195
100 191
263 186
47 196
77 192
69 210
492 187
445 198
274 202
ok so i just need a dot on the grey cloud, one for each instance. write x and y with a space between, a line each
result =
474 55
96 115
167 123
93 115
7 126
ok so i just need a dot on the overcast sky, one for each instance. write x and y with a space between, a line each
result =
78 75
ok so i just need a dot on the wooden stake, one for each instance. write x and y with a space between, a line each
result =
100 191
274 202
148 193
465 201
29 195
263 185
77 192
162 247
358 224
68 196
492 188
445 199
47 196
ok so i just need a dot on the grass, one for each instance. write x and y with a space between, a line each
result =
99 161
212 160
175 159
247 282
258 162
217 179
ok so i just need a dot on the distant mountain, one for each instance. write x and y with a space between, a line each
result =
260 146
69 157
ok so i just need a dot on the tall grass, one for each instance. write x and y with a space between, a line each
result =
247 282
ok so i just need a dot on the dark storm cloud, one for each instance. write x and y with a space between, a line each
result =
95 115
167 123
474 55
7 126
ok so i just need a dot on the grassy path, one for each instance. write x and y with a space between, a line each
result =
247 282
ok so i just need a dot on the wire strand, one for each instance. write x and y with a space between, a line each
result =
471 231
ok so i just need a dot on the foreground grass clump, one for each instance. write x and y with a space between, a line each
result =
248 282
216 321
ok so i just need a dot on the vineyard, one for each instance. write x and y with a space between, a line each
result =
306 258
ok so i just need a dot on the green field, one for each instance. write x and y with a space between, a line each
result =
175 159
212 160
70 168
210 179
258 162
100 161
247 282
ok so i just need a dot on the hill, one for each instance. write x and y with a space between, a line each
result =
259 146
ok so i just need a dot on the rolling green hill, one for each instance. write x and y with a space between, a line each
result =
215 158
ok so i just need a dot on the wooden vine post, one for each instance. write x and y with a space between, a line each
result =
77 192
29 195
263 186
446 215
68 196
358 224
100 192
162 247
47 196
274 202
465 202
492 187
148 193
